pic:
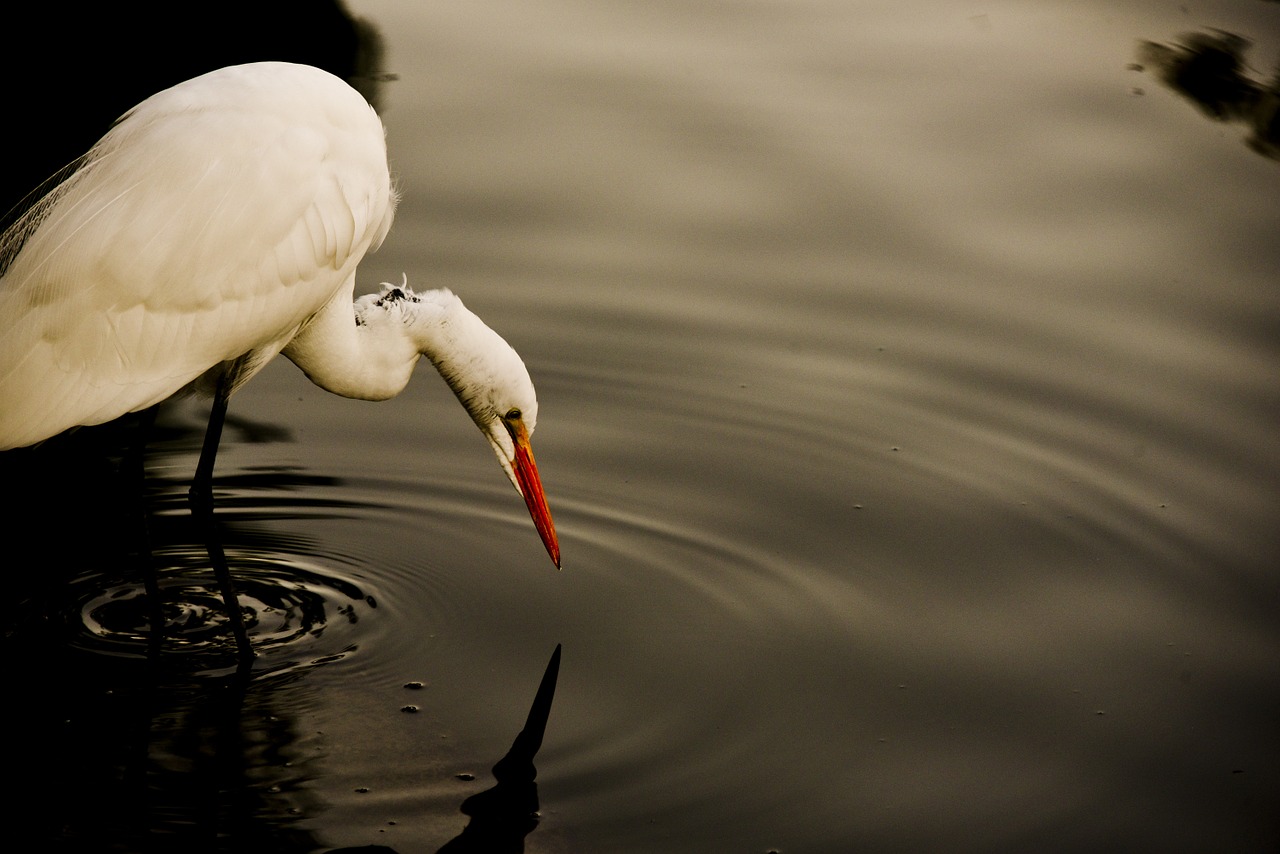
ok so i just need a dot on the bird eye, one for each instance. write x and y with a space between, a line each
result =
513 414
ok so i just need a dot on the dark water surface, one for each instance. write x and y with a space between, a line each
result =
908 386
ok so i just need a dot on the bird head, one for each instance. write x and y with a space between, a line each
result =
492 383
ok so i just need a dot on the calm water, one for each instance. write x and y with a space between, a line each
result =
908 385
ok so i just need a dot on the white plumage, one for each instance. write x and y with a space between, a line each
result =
218 224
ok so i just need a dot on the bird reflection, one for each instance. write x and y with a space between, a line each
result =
123 752
501 817
1208 68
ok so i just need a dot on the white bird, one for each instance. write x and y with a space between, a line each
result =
217 224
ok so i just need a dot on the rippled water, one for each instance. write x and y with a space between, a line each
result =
907 379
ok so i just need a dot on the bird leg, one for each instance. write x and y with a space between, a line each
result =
201 498
202 484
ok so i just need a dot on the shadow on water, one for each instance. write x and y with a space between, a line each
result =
1209 69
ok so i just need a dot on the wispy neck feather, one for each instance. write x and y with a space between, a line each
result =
373 357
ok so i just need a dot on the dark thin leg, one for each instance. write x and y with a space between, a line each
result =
202 485
201 496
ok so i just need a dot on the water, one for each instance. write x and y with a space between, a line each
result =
907 377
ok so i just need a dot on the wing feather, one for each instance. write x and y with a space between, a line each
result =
212 221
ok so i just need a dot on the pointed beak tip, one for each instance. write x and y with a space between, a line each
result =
530 485
549 539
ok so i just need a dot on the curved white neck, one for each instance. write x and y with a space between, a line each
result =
368 350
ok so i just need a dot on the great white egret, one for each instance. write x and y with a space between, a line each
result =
218 224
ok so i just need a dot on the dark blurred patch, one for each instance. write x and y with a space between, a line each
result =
69 72
1209 69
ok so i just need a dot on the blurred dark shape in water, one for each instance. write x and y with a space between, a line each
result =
1208 68
126 754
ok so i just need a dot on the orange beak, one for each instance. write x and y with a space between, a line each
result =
526 472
